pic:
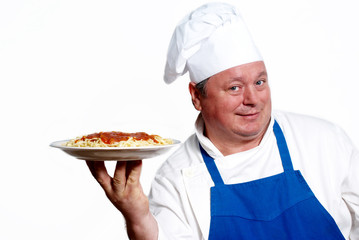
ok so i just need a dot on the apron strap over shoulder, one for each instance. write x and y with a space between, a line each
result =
283 151
283 148
212 168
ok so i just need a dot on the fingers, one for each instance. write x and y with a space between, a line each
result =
99 172
119 177
133 171
124 189
126 173
125 184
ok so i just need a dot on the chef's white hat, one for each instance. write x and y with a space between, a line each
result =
209 40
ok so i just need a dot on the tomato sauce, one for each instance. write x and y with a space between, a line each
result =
113 137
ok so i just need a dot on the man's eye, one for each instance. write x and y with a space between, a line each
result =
260 82
234 88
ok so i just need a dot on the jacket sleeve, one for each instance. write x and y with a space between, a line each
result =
350 194
350 188
171 208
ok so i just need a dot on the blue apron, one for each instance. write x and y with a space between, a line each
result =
276 207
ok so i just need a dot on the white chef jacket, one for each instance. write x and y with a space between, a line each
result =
180 193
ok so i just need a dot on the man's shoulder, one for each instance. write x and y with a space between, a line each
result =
297 120
310 128
186 155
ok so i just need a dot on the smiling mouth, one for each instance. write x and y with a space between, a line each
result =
249 115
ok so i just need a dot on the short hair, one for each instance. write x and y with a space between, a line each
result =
201 87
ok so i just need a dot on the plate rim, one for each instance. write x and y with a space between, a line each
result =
58 144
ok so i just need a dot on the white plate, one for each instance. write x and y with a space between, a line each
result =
114 153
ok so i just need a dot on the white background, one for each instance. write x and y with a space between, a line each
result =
72 67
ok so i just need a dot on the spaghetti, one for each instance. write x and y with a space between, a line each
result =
118 139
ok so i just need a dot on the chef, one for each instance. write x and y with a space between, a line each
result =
248 172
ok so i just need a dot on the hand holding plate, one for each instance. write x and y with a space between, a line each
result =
125 192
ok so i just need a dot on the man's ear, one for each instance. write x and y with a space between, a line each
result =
195 95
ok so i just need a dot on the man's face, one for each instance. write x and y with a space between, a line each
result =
237 104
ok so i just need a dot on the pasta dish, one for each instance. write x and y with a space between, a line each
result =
118 139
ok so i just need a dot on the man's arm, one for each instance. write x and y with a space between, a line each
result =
125 192
351 193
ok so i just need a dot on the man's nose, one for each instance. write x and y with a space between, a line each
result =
250 96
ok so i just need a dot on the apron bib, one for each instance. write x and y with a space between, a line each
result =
276 207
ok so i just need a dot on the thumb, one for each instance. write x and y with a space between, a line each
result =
99 172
